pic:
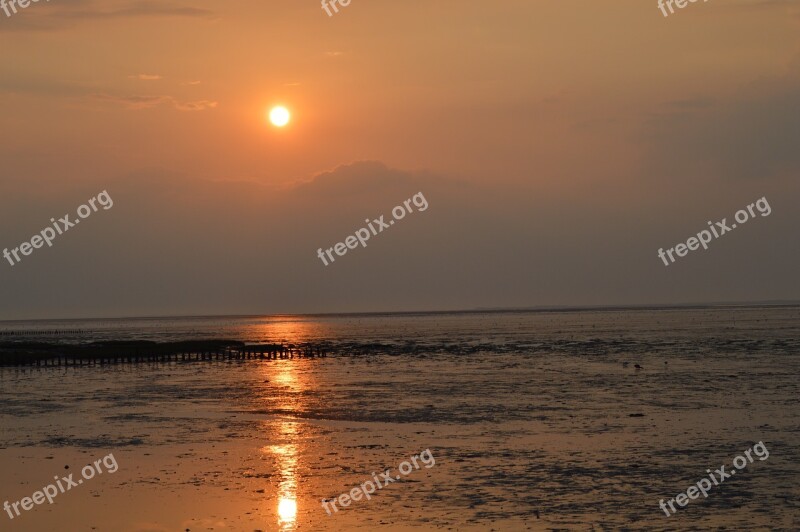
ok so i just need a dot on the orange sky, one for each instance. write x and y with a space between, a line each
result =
582 136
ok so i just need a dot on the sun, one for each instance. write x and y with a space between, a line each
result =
279 116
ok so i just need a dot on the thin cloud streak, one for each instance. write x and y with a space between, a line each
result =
64 15
147 102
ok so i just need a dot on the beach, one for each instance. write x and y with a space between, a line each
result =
543 423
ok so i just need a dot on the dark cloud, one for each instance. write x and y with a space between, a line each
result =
691 103
14 83
63 14
753 136
176 245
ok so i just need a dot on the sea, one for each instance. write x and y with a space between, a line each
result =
537 420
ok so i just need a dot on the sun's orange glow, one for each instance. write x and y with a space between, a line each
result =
287 330
287 458
284 383
287 510
279 116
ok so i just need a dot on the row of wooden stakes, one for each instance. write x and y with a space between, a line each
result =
102 353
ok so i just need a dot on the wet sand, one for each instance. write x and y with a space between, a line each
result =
545 421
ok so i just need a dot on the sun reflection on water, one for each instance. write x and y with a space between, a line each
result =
287 513
287 381
286 457
285 394
286 330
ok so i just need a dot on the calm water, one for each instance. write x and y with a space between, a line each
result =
537 421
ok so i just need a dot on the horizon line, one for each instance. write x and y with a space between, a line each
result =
476 310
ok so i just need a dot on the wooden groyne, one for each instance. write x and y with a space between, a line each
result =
135 352
50 332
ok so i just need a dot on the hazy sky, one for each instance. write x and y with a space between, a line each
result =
559 144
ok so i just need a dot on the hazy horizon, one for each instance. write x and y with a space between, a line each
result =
571 308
